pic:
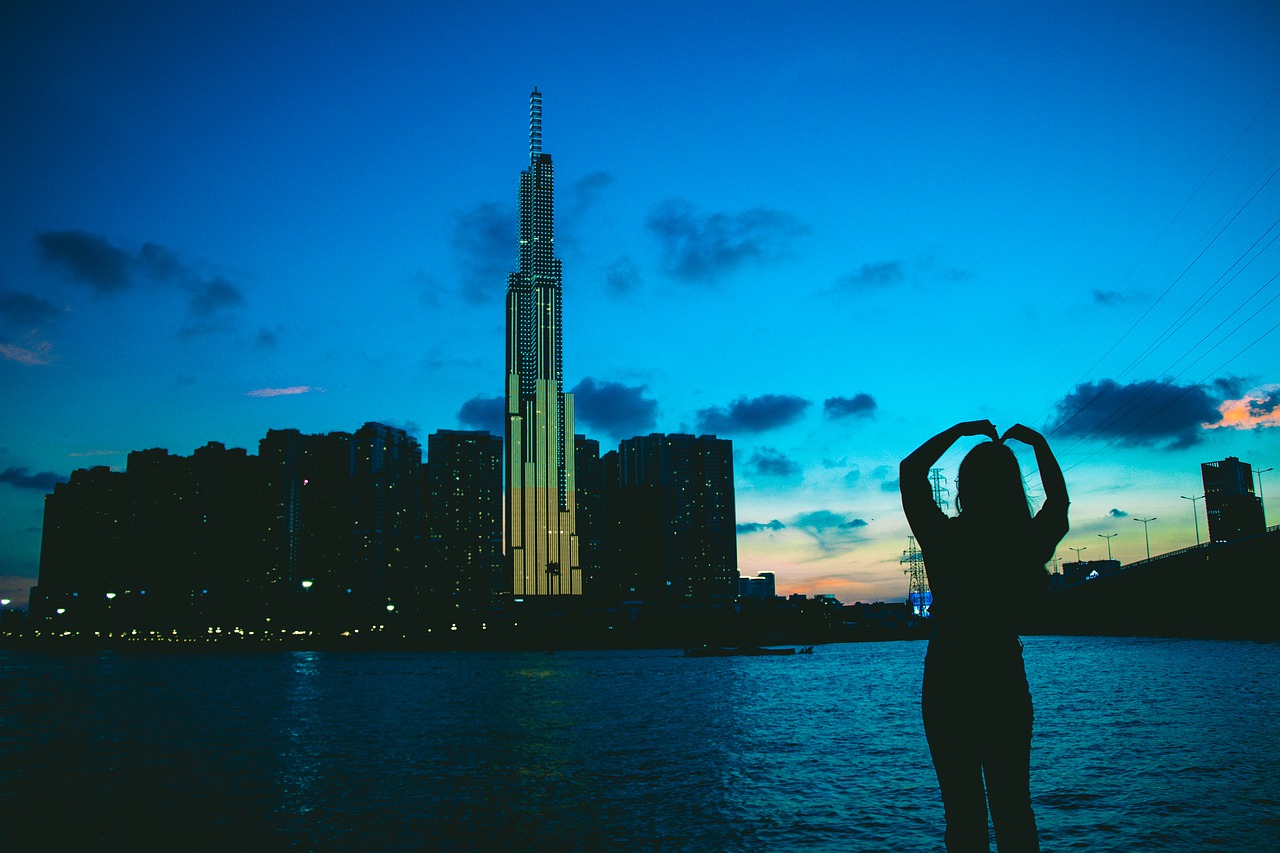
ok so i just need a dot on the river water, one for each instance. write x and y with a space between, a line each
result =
1140 744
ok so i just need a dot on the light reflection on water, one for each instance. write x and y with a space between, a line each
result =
1139 745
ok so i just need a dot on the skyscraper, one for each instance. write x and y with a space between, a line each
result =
541 533
1229 502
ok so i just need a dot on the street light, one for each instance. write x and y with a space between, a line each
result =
1146 535
1195 517
1078 550
1259 474
1108 537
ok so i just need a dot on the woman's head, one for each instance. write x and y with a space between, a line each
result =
989 484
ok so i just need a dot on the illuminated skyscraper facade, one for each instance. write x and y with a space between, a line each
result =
541 532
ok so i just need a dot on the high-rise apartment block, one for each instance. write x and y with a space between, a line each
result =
170 542
388 511
464 520
764 587
591 513
1233 509
671 518
541 532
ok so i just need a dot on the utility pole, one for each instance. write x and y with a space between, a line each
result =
1258 473
939 490
1108 537
1078 550
917 579
1146 535
1196 518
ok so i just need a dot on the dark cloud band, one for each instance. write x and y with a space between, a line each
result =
752 414
1140 414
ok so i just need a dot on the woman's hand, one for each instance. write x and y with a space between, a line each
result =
1024 434
983 427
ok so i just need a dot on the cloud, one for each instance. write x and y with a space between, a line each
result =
1257 408
622 276
833 531
486 413
758 527
1265 405
284 392
851 478
750 415
25 309
1118 513
1156 414
428 288
890 485
614 408
211 297
20 479
929 264
109 269
485 240
769 462
586 191
88 258
1108 298
874 276
884 275
160 263
37 353
859 406
701 249
268 338
825 519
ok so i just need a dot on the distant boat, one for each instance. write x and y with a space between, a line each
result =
739 651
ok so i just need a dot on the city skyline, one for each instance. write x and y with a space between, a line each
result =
794 231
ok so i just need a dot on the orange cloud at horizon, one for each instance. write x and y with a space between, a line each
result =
1240 414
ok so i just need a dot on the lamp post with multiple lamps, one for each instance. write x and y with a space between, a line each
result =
1259 474
1108 537
1146 535
1194 516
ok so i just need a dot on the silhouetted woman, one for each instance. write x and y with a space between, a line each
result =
983 565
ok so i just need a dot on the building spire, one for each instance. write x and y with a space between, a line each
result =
535 125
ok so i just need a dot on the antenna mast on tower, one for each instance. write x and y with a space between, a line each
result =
535 125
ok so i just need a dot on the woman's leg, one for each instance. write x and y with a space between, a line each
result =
950 726
1007 767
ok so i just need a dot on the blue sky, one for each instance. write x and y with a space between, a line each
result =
825 231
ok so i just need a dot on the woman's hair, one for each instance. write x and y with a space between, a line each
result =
989 484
